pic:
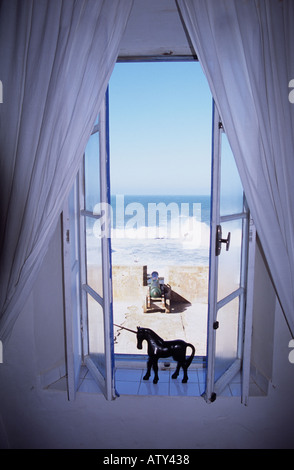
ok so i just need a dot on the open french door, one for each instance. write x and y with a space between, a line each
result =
97 275
72 293
87 266
230 288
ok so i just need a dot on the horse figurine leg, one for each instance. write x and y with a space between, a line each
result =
155 368
152 363
148 373
177 371
185 378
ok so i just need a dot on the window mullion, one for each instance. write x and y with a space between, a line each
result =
93 294
87 213
221 303
229 217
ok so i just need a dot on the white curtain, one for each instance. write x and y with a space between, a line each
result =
56 57
246 49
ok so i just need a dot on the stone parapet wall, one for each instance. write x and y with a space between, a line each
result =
188 283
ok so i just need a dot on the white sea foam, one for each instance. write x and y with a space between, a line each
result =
159 233
190 232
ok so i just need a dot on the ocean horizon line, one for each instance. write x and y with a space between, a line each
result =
159 195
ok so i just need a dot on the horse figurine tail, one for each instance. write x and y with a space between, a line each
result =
190 359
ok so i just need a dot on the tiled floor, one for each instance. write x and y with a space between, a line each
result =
130 382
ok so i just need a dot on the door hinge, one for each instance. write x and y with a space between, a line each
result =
215 325
67 236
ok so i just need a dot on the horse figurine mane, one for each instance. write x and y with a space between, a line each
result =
159 348
152 334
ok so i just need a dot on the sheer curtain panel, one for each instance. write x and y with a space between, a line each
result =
246 49
56 57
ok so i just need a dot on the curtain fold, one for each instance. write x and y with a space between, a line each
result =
246 49
56 58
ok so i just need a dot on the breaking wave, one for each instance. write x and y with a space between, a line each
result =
189 232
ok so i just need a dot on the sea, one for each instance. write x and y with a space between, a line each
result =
160 231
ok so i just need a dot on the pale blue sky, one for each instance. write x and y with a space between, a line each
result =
160 129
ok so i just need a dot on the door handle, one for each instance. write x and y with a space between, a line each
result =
220 240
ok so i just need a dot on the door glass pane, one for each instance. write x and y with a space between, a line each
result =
230 261
92 173
94 255
96 334
226 337
231 197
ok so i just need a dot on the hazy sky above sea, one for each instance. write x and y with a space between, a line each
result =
160 129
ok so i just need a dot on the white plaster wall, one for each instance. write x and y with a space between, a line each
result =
36 418
155 29
263 318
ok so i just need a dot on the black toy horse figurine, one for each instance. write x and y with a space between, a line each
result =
158 348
